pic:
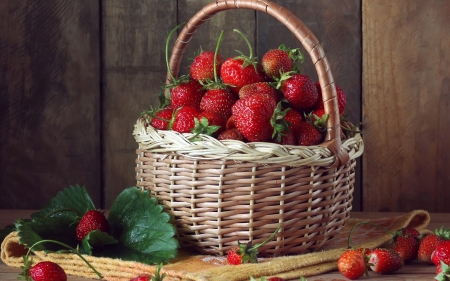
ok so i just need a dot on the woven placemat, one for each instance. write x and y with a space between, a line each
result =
190 267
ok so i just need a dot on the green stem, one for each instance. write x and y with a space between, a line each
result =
369 223
268 239
167 50
246 41
215 56
72 250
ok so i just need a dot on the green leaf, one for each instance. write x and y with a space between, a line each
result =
6 231
68 204
95 239
37 229
142 228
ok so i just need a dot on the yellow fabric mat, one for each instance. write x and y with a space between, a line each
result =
188 267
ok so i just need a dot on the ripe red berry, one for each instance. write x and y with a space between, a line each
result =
202 67
46 271
351 264
92 220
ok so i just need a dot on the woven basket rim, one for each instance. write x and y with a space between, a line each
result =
210 148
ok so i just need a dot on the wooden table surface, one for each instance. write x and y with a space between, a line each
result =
412 272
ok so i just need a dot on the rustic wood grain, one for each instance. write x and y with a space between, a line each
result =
337 25
406 97
133 42
49 100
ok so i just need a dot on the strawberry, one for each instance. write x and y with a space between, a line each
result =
317 114
298 89
294 119
186 92
258 88
202 67
385 261
441 253
410 231
307 134
241 70
286 138
92 220
252 116
219 101
46 270
158 276
247 252
407 247
231 134
162 119
275 279
352 265
277 61
429 242
184 119
230 123
341 97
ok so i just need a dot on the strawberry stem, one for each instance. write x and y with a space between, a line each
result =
167 50
72 250
215 56
369 223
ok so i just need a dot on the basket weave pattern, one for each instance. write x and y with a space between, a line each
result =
220 192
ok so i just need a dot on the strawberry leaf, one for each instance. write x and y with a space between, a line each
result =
95 239
142 228
68 204
37 229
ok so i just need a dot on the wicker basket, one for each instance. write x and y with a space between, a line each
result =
220 192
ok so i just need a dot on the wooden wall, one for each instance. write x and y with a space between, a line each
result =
75 76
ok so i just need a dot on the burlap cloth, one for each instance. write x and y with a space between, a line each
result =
210 268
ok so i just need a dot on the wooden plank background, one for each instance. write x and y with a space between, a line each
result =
75 76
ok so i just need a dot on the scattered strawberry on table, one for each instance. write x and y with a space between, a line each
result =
46 270
408 245
268 100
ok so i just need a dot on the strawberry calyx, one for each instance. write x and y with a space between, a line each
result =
202 127
294 54
444 274
279 124
278 82
249 252
27 260
442 233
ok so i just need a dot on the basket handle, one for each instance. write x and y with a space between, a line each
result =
306 38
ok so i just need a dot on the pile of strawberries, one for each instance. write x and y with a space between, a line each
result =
408 246
241 99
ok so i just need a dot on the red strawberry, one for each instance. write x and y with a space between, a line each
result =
184 119
241 70
46 270
252 116
202 67
429 242
230 123
351 264
92 220
308 134
141 278
246 252
385 261
234 256
218 100
231 134
280 60
317 114
258 88
410 231
162 119
341 97
299 90
407 247
442 253
287 138
295 118
187 92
